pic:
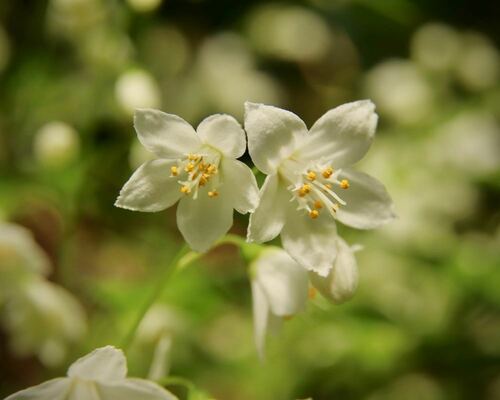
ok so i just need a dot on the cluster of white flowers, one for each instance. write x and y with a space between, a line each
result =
309 185
40 317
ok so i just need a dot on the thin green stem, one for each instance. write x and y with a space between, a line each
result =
155 294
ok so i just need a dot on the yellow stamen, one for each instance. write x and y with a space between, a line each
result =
189 167
312 293
211 169
314 214
328 185
311 175
305 189
344 184
327 172
213 193
185 190
192 157
318 204
174 170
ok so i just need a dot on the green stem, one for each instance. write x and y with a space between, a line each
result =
162 282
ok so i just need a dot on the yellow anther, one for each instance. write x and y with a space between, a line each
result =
174 170
204 179
318 204
189 167
201 166
213 193
311 293
305 189
328 185
344 184
327 172
314 214
192 157
311 175
185 190
211 169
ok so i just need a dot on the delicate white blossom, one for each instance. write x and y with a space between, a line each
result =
279 290
342 281
100 375
198 168
310 183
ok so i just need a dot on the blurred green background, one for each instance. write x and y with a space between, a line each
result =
425 323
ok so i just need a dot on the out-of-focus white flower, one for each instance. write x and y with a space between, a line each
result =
44 319
56 144
199 168
470 143
342 281
100 375
71 18
289 32
478 64
435 46
137 89
279 290
144 5
20 259
400 91
229 77
159 327
313 169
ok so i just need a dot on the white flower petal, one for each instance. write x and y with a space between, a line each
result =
260 317
150 188
204 220
342 281
284 282
134 389
368 203
310 242
84 390
166 135
269 217
342 135
224 133
55 389
273 135
241 185
104 364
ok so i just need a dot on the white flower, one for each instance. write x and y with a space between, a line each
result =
341 282
279 290
100 375
198 168
310 183
45 319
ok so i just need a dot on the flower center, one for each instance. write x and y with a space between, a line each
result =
197 171
315 189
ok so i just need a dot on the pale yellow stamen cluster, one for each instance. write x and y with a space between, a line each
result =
200 170
317 191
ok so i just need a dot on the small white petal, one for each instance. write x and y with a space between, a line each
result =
269 217
84 390
260 317
241 185
224 133
284 282
103 364
133 389
273 135
55 389
342 281
368 203
150 188
204 220
166 135
310 242
342 135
